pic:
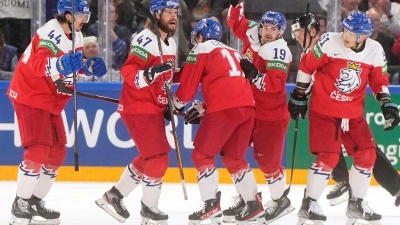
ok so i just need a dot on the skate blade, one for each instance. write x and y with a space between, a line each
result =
355 221
210 221
103 204
147 221
42 221
19 221
257 220
303 221
336 201
283 213
229 219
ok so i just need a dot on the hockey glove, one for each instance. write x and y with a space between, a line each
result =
95 66
250 71
158 73
69 63
297 104
391 114
177 105
194 113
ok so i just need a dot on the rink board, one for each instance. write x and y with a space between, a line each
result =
105 146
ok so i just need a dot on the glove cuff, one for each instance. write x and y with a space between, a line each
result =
299 96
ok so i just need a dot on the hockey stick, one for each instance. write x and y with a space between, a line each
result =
76 150
148 14
296 126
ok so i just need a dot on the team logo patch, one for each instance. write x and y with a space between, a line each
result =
251 23
192 59
279 65
49 45
384 69
248 55
140 52
317 52
349 78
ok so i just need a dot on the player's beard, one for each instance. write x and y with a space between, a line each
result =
266 39
167 27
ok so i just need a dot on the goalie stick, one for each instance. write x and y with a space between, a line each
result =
296 126
144 11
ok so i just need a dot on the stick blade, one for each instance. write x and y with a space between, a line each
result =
144 11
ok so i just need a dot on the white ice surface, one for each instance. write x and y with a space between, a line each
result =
75 201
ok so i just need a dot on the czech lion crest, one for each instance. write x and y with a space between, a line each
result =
349 78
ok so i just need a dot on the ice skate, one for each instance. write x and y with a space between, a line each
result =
235 209
397 199
310 211
359 212
153 216
20 211
339 193
112 203
211 211
41 214
252 213
275 209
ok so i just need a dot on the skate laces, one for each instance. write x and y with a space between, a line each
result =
156 210
366 209
271 206
42 205
315 208
337 186
236 200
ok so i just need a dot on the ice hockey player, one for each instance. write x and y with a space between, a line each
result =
264 48
142 105
343 64
226 126
38 105
384 172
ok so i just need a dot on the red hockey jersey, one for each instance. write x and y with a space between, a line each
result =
246 30
32 84
273 62
223 85
137 97
341 75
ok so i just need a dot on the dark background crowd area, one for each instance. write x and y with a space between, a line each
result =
16 33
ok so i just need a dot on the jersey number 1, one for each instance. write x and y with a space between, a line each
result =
234 70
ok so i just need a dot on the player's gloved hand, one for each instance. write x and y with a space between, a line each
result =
158 73
250 71
297 104
391 114
69 63
95 66
234 3
177 106
194 113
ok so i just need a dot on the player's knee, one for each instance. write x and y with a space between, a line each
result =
328 159
234 165
57 155
273 174
139 163
364 158
269 168
156 166
37 153
200 159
